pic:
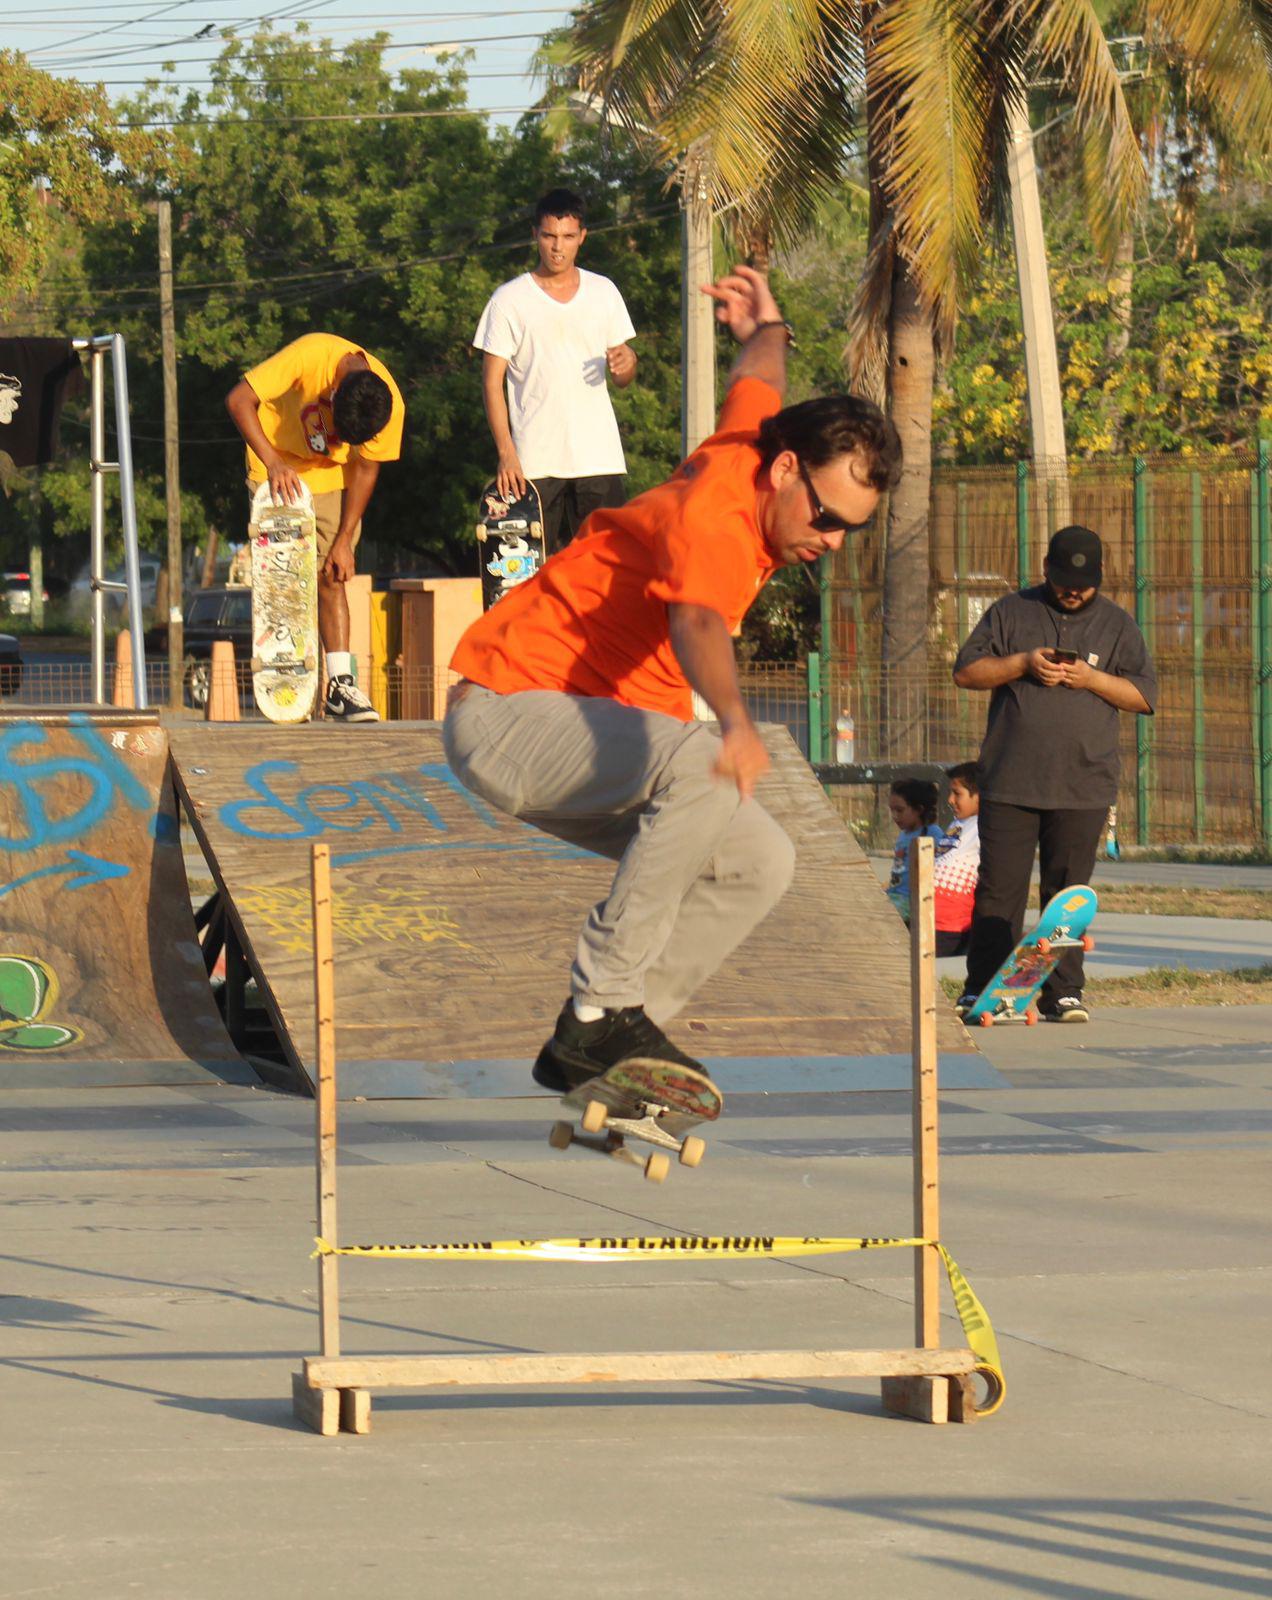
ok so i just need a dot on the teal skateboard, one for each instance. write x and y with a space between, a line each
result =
1011 993
655 1102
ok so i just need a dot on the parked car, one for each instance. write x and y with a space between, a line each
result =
210 614
10 664
80 594
15 591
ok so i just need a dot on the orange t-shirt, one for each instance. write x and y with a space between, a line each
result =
593 619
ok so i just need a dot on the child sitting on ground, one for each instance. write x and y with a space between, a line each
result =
912 803
958 863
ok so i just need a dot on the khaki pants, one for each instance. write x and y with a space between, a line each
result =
327 508
697 866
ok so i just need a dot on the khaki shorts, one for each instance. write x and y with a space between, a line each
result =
327 508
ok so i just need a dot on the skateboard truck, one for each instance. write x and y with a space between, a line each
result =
646 1126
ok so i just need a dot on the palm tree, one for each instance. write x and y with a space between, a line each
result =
773 93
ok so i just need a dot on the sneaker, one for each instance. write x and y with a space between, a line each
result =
964 1004
1068 1008
578 1050
347 703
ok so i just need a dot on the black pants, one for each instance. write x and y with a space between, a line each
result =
567 501
1066 842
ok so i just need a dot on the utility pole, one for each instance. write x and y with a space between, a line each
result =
697 315
1042 367
171 458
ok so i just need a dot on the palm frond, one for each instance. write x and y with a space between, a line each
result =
1069 44
1227 45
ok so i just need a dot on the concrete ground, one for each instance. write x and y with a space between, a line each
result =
1109 1206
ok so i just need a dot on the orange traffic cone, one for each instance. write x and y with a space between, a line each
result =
122 691
223 699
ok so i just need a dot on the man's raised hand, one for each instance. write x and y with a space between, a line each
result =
284 483
743 299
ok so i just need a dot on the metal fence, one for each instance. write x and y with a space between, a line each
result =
1188 550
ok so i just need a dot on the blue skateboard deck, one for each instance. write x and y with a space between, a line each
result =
1011 993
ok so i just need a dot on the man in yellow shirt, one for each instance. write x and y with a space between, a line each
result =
323 410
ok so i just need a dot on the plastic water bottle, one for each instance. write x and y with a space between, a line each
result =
845 739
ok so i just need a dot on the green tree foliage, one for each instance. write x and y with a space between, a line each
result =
61 154
389 223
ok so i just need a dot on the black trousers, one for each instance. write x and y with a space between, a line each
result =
1066 842
567 501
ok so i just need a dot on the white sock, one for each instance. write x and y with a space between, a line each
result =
587 1013
339 663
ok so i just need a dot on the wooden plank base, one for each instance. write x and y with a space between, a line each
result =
931 1385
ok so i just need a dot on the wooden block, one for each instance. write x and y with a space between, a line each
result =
318 1409
924 1399
631 1366
355 1410
963 1398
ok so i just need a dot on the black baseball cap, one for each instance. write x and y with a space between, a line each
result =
1075 558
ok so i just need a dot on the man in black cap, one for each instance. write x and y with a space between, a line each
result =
1061 662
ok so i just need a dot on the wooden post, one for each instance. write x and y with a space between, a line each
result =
325 1100
171 457
122 688
927 1211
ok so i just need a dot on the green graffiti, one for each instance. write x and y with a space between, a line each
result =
28 990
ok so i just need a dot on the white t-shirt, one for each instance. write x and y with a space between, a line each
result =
559 409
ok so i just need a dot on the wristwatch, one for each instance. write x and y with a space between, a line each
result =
779 322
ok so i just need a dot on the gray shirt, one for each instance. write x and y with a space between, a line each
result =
1055 748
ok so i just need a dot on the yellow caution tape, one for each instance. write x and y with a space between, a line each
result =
664 1247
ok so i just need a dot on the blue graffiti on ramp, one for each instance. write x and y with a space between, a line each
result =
107 777
84 870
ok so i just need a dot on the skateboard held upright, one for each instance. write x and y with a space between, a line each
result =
656 1102
509 539
284 542
1010 994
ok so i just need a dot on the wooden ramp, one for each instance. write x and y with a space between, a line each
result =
101 978
455 925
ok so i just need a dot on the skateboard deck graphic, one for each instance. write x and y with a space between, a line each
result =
1011 993
284 543
509 539
655 1102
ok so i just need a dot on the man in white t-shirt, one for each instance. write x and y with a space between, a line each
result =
551 336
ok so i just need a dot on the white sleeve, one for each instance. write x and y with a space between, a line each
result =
620 328
495 333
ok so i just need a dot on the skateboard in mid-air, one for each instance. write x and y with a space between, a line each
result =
655 1102
510 540
284 543
1011 994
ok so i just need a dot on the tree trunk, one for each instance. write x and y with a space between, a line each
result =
209 560
911 374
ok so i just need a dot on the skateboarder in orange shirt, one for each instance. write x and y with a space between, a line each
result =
575 707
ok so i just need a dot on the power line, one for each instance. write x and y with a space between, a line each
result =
331 116
445 45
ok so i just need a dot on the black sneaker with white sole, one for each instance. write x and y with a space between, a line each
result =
1068 1008
964 1003
345 702
578 1050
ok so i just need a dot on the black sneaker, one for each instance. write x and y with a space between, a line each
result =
578 1050
345 702
964 1003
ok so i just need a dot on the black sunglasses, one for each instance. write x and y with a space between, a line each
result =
827 521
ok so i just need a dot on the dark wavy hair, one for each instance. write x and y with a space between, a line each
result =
919 795
361 406
835 425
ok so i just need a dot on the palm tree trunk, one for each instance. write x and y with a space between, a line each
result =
911 375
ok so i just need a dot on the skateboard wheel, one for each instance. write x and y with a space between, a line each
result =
1088 941
536 530
656 1168
561 1135
1044 947
1031 1018
986 1021
594 1116
692 1151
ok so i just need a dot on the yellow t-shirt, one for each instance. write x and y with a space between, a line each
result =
294 389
